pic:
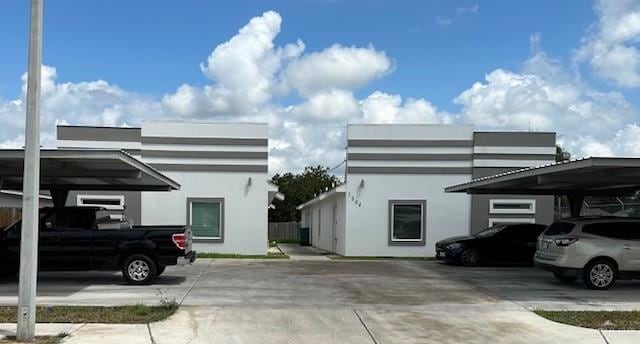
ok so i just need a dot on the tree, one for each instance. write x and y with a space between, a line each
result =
561 154
299 188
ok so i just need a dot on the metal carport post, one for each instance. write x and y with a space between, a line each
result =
76 169
575 179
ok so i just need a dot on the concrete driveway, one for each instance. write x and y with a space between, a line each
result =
312 301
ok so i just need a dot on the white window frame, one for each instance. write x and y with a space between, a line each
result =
423 222
530 202
219 238
494 220
120 198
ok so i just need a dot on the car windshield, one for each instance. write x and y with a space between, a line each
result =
489 231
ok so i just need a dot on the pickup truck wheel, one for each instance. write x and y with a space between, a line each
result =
139 269
160 270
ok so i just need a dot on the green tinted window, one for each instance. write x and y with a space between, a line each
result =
407 221
205 219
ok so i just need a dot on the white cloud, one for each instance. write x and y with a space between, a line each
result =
444 21
331 105
244 70
89 103
380 107
468 9
543 97
611 47
336 67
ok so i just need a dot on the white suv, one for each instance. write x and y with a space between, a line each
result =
597 249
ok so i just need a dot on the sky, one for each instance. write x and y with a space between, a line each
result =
309 67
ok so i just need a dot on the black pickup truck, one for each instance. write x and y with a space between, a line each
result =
92 238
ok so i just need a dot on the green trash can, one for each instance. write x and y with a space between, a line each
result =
304 236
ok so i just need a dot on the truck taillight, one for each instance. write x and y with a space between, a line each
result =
180 240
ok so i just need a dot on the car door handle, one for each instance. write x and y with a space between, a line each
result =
626 247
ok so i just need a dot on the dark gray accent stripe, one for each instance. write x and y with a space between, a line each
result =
204 155
210 168
498 156
409 143
514 139
408 156
410 170
99 133
220 141
512 216
130 151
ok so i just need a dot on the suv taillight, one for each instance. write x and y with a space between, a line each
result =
565 241
180 240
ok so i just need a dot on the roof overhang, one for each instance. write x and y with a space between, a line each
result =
84 169
340 189
594 176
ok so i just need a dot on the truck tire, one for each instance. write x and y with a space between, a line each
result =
139 269
160 270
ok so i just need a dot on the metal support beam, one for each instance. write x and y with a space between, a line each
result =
575 204
59 197
31 188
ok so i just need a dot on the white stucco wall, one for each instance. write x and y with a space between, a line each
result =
368 225
245 208
322 222
417 166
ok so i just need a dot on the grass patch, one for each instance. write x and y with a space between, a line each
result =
38 340
338 257
604 320
137 314
241 256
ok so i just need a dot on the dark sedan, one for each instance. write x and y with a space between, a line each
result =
498 244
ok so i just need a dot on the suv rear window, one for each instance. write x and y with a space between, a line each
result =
559 228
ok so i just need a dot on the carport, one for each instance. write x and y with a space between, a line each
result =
575 179
83 169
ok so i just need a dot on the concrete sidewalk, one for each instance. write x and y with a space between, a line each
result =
297 252
504 324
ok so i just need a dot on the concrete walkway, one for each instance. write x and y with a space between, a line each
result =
297 252
352 326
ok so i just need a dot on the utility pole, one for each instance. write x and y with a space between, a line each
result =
31 183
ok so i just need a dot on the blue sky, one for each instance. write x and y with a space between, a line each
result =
152 46
436 51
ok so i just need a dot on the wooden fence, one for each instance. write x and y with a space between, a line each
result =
9 216
284 231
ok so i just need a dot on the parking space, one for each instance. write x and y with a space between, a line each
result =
329 283
262 301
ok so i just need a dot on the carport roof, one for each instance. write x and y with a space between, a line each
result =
587 177
84 169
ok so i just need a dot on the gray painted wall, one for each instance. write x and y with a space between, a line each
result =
131 202
480 203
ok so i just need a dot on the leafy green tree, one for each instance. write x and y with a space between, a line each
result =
299 188
561 154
